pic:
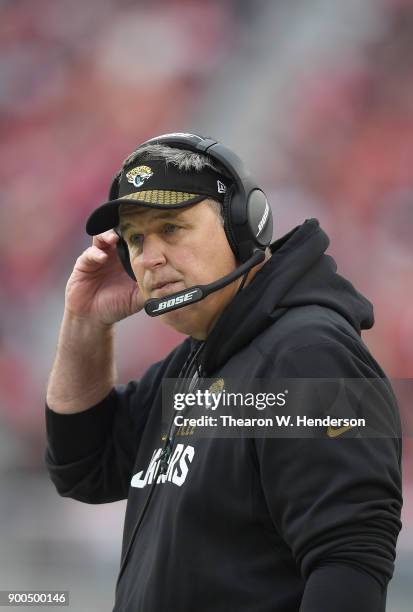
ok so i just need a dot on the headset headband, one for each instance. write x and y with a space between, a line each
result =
247 214
199 144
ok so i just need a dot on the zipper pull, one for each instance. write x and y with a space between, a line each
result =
165 456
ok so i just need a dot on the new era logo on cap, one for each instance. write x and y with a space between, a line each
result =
221 187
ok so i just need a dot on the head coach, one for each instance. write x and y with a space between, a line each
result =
212 524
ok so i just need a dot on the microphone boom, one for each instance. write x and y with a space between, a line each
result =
155 307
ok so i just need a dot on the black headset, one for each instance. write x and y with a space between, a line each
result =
248 220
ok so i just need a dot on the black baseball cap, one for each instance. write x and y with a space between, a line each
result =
157 184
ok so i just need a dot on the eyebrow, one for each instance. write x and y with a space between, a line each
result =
124 226
161 215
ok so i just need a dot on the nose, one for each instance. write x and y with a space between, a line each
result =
153 252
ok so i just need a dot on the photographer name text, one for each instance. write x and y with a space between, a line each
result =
226 420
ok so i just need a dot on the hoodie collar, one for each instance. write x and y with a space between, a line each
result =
297 274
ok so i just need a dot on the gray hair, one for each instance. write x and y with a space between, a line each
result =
181 158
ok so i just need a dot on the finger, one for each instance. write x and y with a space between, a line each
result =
106 239
92 256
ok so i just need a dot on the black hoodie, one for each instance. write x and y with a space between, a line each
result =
248 524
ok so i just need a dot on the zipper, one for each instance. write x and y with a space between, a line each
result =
163 460
188 367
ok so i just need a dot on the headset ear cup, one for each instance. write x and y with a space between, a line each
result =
123 253
259 219
121 246
228 221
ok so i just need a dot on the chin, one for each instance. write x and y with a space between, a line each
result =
183 321
178 320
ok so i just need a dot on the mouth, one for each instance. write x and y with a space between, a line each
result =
162 289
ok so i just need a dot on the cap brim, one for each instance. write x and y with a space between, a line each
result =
106 217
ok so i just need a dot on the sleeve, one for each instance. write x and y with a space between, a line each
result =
336 501
90 454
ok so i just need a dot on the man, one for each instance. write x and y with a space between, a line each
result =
251 523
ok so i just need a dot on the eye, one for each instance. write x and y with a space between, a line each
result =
135 240
170 228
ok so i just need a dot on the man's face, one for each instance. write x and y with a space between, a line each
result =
173 250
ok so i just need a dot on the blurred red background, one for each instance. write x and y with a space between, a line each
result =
317 99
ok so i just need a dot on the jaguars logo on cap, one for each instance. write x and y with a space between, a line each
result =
137 176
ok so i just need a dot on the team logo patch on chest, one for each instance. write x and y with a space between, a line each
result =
217 386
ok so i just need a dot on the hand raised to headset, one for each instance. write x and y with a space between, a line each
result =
99 289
